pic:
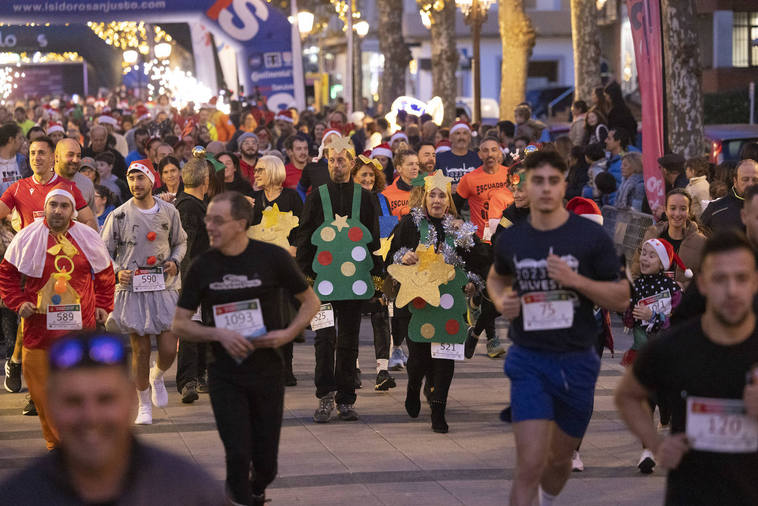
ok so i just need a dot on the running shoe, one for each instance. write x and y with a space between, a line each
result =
144 415
494 348
30 409
346 413
396 360
12 376
647 462
576 463
471 341
325 407
384 381
202 384
157 386
189 393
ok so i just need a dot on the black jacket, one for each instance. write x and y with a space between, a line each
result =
239 184
191 213
723 214
342 201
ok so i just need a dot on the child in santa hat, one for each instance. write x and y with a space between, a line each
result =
654 295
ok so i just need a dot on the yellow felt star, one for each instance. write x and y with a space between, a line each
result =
339 144
339 222
437 180
65 246
417 281
275 227
384 247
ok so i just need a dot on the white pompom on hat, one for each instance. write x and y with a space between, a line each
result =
666 253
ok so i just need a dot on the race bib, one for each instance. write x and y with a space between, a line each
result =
148 280
659 303
447 350
197 317
391 309
547 310
244 317
720 425
324 318
64 317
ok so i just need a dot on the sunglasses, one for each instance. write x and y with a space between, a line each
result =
98 349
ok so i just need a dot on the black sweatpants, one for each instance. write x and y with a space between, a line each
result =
190 362
336 352
248 403
421 363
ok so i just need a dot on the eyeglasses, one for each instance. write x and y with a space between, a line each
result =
98 349
217 220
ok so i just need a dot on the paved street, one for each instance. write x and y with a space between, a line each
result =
387 458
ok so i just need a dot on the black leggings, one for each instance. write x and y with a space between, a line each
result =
486 320
439 370
248 409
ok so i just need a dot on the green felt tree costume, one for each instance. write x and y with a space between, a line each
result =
445 323
342 262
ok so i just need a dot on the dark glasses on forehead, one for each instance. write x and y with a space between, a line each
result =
98 349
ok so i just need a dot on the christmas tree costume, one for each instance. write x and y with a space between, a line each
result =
342 263
435 287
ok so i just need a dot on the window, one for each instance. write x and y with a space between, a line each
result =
745 39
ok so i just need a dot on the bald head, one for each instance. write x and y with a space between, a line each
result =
98 138
68 154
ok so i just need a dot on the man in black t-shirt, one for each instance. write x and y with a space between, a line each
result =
241 286
550 270
708 370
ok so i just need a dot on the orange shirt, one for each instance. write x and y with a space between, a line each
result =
398 197
476 187
500 199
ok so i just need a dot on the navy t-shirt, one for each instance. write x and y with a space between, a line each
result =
457 166
522 252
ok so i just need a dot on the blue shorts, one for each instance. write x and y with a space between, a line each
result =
558 386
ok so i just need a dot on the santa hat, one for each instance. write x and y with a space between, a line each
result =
458 125
285 115
442 146
666 253
382 149
331 131
586 208
397 136
54 127
141 166
107 119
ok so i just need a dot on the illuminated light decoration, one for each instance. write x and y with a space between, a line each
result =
131 35
37 57
425 10
8 75
411 105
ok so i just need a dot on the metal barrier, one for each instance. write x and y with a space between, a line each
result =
626 227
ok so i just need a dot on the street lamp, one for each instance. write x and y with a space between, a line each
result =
475 13
305 23
361 28
130 56
162 50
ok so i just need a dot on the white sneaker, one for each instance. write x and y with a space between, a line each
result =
576 463
396 360
145 412
647 462
159 393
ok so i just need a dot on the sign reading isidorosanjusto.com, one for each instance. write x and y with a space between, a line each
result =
261 33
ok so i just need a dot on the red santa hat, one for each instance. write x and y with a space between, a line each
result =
54 127
285 115
586 208
442 146
666 253
382 149
397 136
460 124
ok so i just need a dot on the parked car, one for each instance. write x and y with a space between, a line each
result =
724 142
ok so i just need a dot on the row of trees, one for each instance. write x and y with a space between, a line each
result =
681 52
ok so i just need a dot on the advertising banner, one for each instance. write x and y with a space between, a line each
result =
260 33
645 19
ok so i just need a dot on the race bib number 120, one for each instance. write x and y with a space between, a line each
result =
720 425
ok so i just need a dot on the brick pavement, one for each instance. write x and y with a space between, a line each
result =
387 458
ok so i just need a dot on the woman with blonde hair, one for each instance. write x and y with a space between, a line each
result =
272 197
432 236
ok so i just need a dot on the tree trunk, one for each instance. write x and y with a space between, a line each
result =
683 73
444 58
395 51
517 35
586 39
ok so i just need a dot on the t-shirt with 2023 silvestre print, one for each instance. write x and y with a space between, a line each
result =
522 252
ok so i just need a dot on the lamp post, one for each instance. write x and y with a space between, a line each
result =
475 14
